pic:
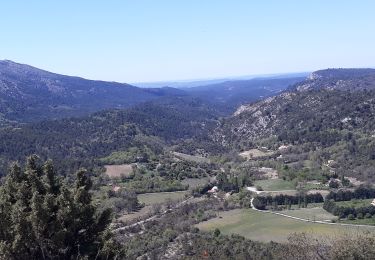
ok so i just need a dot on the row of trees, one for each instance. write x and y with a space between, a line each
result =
361 192
261 202
343 212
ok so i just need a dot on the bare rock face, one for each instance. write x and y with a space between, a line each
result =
319 101
339 79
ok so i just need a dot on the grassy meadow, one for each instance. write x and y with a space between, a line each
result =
267 227
315 214
275 185
160 197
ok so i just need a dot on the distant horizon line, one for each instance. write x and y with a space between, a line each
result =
193 80
248 76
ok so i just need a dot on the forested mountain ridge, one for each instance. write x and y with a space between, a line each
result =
320 117
28 94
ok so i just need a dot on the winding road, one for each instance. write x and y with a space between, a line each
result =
141 222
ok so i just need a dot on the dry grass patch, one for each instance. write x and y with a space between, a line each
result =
255 153
160 197
114 171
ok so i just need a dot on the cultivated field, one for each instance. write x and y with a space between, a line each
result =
160 197
114 171
314 214
267 227
364 221
275 185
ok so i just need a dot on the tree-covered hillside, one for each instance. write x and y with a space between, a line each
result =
75 142
28 94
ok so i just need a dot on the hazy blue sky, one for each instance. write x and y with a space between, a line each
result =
141 40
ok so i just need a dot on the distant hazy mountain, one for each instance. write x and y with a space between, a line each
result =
30 94
231 94
197 83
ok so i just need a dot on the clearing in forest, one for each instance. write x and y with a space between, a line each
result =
255 153
193 158
275 185
114 171
195 182
151 199
160 197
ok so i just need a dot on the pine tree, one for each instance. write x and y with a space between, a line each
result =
42 218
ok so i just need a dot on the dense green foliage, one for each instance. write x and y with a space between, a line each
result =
43 218
148 184
120 201
350 212
171 168
131 155
232 182
361 192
